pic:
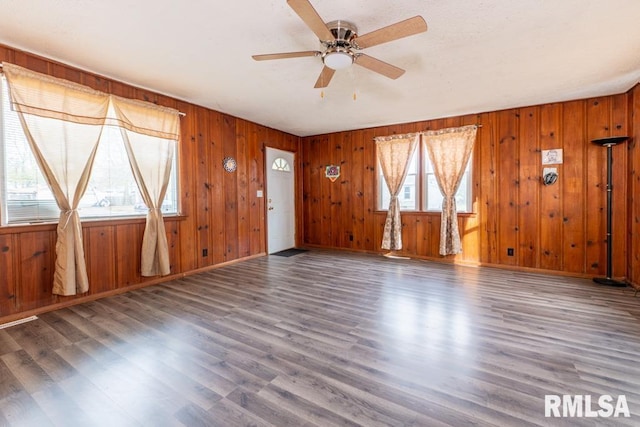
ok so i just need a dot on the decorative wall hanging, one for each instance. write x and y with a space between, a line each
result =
332 172
552 157
229 164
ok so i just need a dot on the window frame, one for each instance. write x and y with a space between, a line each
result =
421 184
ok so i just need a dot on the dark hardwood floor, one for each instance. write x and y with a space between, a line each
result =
327 338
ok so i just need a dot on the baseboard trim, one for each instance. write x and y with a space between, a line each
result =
450 260
21 316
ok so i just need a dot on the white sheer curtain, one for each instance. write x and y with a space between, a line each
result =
394 154
449 150
63 123
150 134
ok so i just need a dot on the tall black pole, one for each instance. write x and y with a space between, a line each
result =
609 143
609 210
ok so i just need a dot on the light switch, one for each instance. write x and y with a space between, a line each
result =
259 193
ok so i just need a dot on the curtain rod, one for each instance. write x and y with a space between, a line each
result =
180 113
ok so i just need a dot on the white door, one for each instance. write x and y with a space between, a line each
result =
281 211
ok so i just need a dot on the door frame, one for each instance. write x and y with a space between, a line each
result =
296 197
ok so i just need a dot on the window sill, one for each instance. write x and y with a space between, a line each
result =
426 213
86 223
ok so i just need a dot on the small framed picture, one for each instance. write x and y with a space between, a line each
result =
552 157
332 172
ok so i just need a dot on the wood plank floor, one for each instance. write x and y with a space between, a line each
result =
327 338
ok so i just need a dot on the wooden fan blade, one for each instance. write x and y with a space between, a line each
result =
325 77
285 55
378 66
308 14
396 31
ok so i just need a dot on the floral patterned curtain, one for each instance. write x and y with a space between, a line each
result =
394 154
449 151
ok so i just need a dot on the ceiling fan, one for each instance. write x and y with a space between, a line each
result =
341 43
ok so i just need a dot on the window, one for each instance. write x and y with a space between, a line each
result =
407 192
422 181
112 190
409 183
281 165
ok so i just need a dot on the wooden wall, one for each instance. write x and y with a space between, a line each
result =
558 228
633 193
220 210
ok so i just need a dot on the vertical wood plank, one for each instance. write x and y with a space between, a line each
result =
335 194
326 230
573 187
529 183
229 144
370 190
7 54
596 180
409 232
255 173
619 127
172 229
8 273
100 253
128 247
216 184
37 262
262 132
357 173
550 203
346 206
309 184
242 185
486 188
187 149
204 202
633 192
508 158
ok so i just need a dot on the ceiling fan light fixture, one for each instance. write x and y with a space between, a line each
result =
340 44
338 58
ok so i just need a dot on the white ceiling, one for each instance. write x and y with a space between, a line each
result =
477 56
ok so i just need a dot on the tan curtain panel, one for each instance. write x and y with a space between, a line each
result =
150 135
449 151
394 154
63 123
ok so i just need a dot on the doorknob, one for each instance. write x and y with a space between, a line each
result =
270 208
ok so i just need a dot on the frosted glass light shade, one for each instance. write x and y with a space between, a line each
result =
338 60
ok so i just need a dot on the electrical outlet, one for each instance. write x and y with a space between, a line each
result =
205 253
509 251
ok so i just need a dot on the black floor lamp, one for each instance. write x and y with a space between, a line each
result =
609 143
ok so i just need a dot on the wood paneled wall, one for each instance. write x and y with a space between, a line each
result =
633 194
558 228
220 211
